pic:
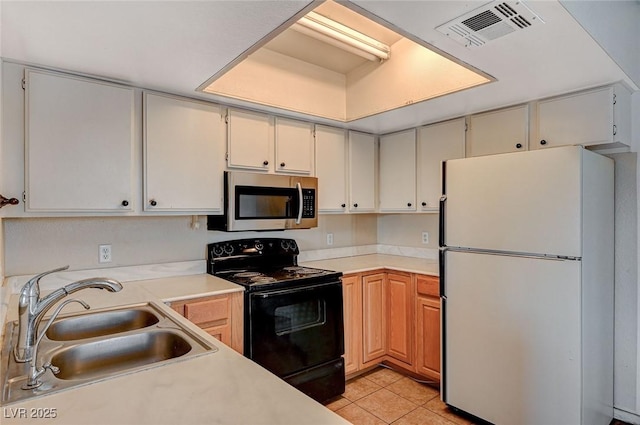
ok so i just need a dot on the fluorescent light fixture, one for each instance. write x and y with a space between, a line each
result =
338 35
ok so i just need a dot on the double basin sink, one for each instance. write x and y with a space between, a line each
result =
94 346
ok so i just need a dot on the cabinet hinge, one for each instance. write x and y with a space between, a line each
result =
24 196
466 126
24 83
226 156
614 98
226 118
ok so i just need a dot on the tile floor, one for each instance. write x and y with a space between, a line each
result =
384 396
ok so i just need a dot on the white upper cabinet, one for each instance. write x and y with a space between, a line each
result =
294 146
78 144
501 131
436 143
594 117
362 172
249 140
397 171
331 169
183 155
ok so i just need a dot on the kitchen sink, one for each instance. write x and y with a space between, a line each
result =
98 324
99 345
105 356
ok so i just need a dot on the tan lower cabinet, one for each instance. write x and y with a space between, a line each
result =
400 317
374 309
428 326
392 317
221 316
352 301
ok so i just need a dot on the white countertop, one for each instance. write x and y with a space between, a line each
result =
365 263
222 387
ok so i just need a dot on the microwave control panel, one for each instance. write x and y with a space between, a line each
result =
308 203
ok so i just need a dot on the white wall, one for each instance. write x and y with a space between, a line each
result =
406 230
33 245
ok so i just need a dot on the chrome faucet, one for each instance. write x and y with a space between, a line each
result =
34 371
31 308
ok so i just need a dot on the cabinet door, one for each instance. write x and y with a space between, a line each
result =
78 144
584 118
183 151
294 146
428 325
331 169
352 299
398 172
249 140
500 131
374 312
437 143
400 328
362 172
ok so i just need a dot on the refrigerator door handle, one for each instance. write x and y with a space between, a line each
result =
441 255
443 199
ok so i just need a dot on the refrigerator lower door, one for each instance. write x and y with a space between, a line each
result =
512 338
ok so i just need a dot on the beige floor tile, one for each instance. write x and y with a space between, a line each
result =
438 406
422 416
358 416
338 403
383 376
413 391
386 405
358 388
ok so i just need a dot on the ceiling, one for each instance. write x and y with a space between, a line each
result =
175 46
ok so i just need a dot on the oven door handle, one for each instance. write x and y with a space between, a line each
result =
300 203
293 290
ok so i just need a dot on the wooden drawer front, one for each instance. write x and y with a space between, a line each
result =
428 285
207 311
221 333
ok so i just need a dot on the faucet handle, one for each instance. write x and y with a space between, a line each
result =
32 286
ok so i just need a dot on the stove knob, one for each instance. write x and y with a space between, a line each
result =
259 246
293 246
218 251
284 245
228 249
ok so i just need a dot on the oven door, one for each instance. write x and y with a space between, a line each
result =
295 329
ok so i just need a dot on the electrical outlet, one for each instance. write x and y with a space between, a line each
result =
425 237
104 254
329 238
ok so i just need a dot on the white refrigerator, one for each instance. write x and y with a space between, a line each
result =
526 265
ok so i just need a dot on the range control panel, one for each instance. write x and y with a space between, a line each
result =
253 247
308 203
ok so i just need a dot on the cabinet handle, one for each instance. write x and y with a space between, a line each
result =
355 205
408 204
282 164
8 201
125 203
265 163
343 205
424 204
615 130
153 202
518 145
543 142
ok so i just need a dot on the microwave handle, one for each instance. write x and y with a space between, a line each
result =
299 187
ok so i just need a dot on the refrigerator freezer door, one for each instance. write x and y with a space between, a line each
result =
512 338
534 198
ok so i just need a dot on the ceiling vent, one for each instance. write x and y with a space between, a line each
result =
489 22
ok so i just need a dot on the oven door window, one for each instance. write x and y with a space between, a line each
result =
257 202
294 329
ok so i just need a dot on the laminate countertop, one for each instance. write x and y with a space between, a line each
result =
220 387
365 263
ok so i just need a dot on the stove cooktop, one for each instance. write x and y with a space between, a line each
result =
293 274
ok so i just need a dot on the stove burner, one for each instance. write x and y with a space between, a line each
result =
263 279
248 275
301 270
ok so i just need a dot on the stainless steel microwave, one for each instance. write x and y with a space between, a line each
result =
254 201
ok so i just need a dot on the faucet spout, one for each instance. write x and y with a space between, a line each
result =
32 308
